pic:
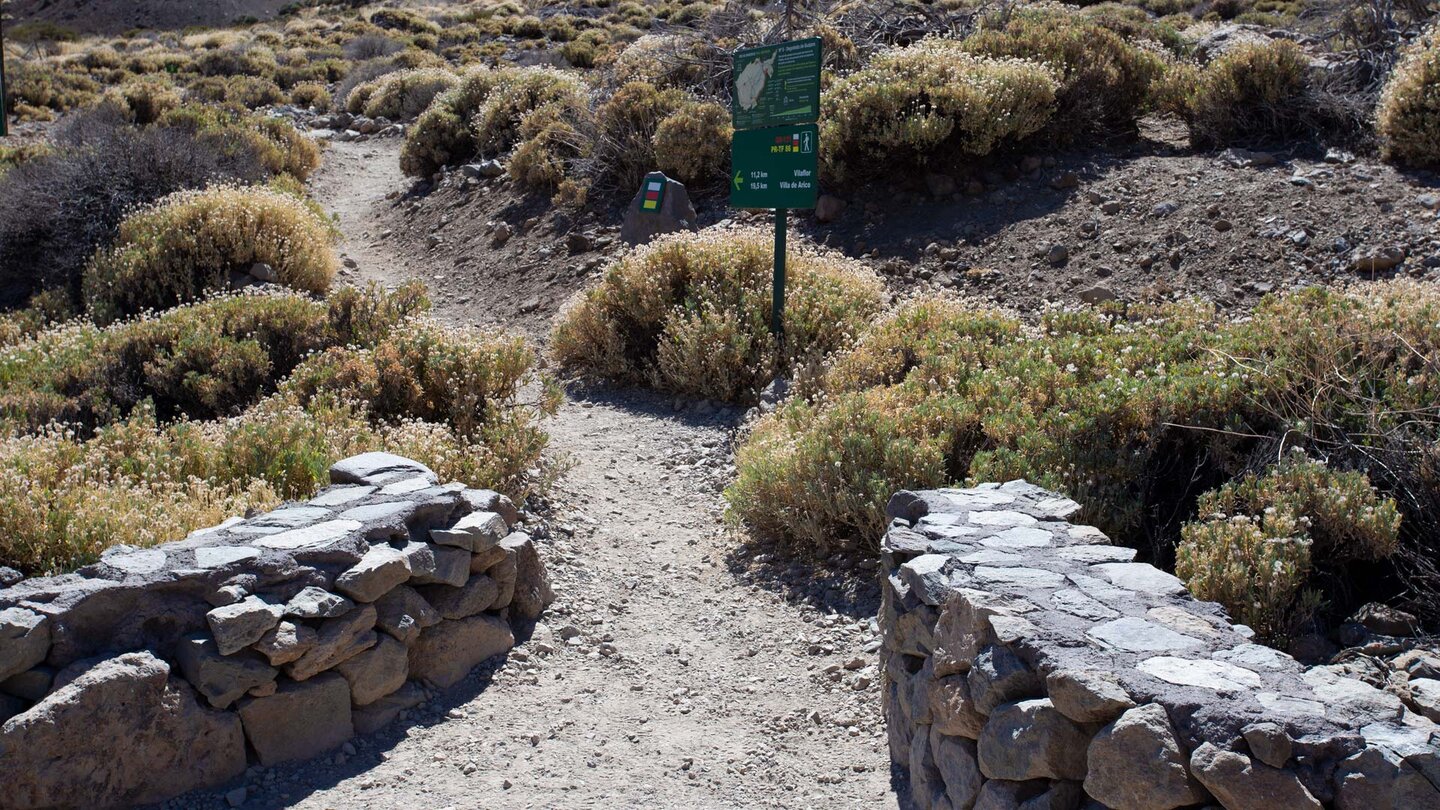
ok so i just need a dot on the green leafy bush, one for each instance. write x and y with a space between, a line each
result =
690 313
1260 539
187 245
931 99
1105 78
1409 113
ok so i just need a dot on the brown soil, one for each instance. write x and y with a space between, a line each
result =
116 16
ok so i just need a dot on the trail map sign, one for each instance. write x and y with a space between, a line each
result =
775 168
777 84
774 156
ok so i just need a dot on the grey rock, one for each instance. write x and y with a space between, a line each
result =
1269 743
1141 577
927 578
374 716
451 566
955 759
488 500
1425 697
24 640
239 625
160 741
927 786
445 654
287 642
317 603
1215 675
379 469
1377 259
1136 763
1132 634
9 576
382 521
31 685
377 672
319 536
532 584
300 721
222 679
342 495
1097 295
999 676
263 272
475 532
829 208
475 596
378 572
1002 794
337 640
403 613
1241 784
1087 696
1334 689
676 213
1031 740
1386 620
1418 664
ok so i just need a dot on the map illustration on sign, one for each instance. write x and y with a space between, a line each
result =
751 82
777 84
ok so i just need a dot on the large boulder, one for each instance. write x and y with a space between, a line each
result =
447 652
158 741
24 640
1242 784
299 721
660 206
378 468
532 584
1136 763
1031 740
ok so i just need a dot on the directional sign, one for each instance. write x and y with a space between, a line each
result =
775 167
777 84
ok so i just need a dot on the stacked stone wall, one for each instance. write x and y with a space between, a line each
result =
1031 664
268 639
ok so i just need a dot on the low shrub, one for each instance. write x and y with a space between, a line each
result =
395 19
484 112
933 98
200 361
37 87
1259 540
146 100
693 143
311 95
188 244
665 60
690 313
1105 78
402 95
238 92
1252 92
1132 413
1408 118
57 209
272 142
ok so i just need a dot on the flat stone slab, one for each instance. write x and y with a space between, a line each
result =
311 536
1136 635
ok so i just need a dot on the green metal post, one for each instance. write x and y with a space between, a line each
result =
777 306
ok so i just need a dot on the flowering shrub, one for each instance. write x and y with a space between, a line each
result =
402 95
1409 114
1104 77
1260 538
690 313
188 243
693 143
1133 414
930 99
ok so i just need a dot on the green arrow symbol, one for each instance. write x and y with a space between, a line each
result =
737 181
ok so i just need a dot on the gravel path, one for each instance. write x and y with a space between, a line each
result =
677 668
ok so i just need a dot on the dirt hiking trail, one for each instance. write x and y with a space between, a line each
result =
674 670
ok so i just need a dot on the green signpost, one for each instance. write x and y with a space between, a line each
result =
774 157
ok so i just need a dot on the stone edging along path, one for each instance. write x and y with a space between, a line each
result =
1032 664
278 637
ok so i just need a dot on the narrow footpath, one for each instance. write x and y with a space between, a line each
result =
671 672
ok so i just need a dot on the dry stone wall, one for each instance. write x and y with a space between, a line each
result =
1031 664
274 638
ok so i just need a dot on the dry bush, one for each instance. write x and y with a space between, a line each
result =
1254 91
274 143
187 245
930 99
1408 119
1134 414
238 92
312 95
665 60
690 313
56 210
1259 540
693 143
404 95
1105 77
146 99
140 481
